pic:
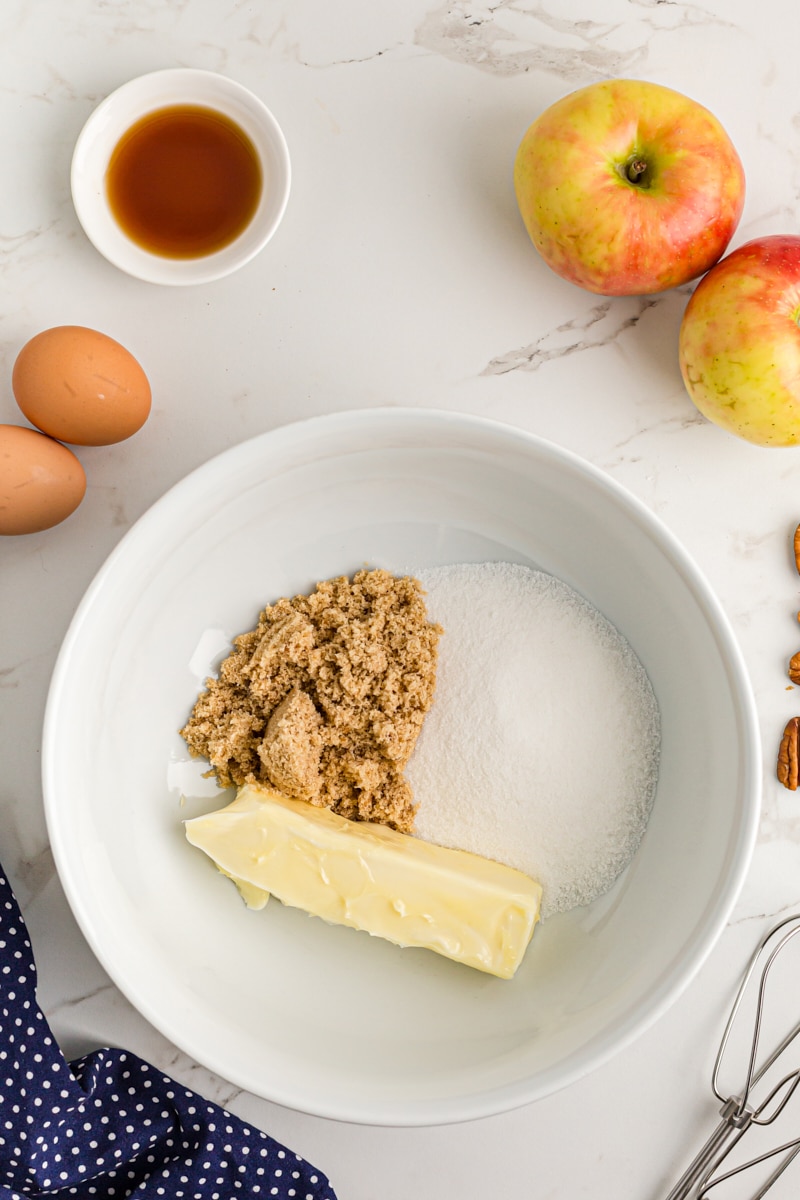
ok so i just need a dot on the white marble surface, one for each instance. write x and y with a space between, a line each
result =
402 275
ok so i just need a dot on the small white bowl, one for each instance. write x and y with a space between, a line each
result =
136 99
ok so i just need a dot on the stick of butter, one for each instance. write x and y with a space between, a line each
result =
370 877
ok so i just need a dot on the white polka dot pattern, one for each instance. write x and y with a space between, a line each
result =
111 1125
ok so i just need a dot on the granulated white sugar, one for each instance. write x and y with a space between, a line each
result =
541 749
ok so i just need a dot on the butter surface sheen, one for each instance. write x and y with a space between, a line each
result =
372 878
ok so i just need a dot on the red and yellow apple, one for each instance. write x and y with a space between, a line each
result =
739 343
627 187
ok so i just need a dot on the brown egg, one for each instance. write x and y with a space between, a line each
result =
41 481
81 386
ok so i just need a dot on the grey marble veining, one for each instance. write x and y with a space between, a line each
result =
402 275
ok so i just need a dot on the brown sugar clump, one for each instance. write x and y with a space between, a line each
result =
292 746
325 698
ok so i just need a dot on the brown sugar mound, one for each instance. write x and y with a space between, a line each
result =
326 697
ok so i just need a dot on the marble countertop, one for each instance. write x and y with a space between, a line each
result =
402 275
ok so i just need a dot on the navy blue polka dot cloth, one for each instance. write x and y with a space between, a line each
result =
111 1125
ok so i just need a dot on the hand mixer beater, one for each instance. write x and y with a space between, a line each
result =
761 1100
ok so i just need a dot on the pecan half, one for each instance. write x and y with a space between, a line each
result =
788 755
797 548
794 668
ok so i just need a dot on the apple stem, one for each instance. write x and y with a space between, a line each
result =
636 169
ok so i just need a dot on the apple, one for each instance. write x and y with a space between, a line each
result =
739 342
627 187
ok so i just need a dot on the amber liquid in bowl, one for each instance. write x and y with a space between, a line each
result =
184 181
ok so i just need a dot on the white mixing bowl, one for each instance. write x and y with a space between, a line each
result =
325 1019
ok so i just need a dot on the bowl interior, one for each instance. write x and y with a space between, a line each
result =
326 1019
136 99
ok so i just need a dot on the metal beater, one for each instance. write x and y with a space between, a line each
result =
740 1112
